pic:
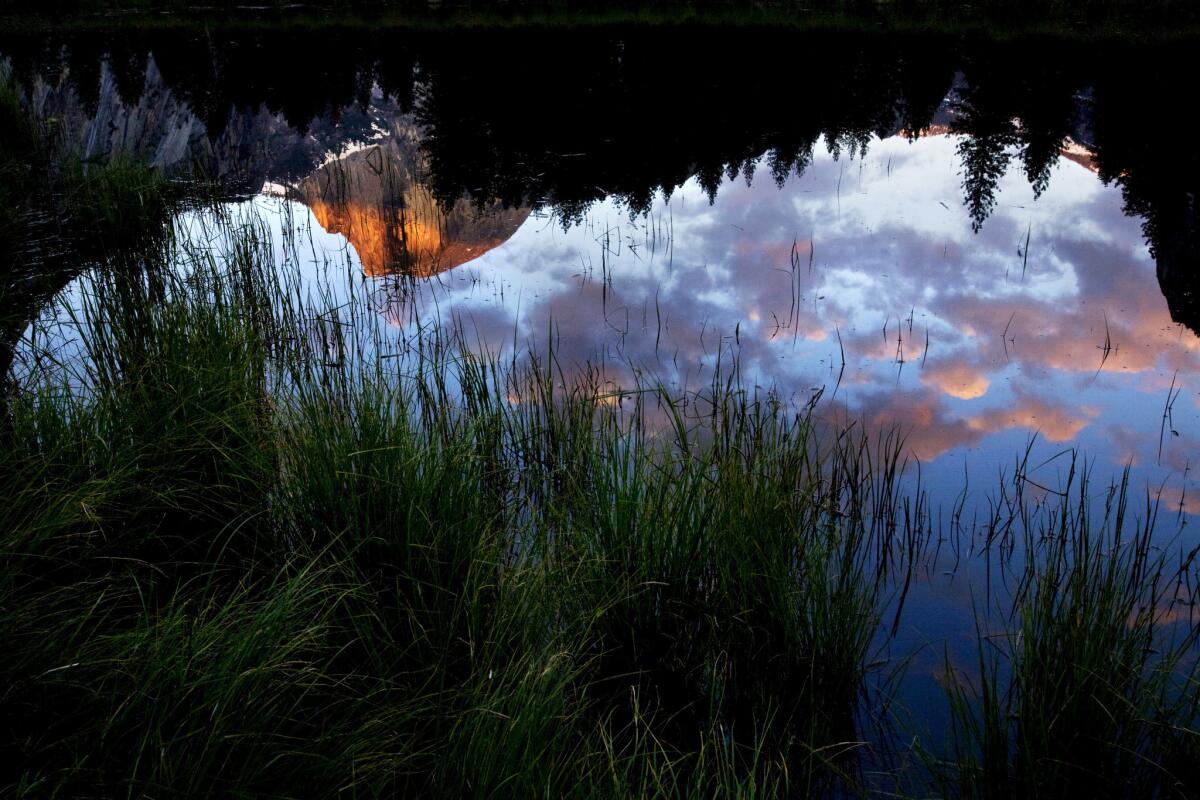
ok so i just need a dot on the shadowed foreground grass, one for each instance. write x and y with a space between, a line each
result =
245 558
249 550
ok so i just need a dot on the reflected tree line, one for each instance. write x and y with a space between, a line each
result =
567 117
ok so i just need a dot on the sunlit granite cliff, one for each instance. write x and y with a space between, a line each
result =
374 197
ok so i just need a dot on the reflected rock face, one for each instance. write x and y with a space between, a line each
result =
374 197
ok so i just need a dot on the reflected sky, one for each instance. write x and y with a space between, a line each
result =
858 286
861 281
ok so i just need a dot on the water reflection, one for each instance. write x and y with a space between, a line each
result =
605 113
960 236
863 281
374 197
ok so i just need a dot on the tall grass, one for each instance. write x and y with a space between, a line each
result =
1089 684
253 548
248 553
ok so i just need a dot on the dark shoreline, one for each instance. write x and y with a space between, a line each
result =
996 20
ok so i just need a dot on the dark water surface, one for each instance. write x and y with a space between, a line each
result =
980 242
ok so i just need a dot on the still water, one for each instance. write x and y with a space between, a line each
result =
859 286
991 247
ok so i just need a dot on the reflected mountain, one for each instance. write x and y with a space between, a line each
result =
374 197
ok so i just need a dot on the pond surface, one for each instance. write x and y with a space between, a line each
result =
977 242
873 299
989 246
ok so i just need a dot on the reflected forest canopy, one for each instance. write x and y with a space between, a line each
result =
568 117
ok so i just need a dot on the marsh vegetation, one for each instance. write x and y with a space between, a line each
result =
256 545
248 551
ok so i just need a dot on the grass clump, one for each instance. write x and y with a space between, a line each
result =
96 208
249 552
1091 685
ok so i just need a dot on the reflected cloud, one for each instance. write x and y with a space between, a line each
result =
958 380
1055 423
